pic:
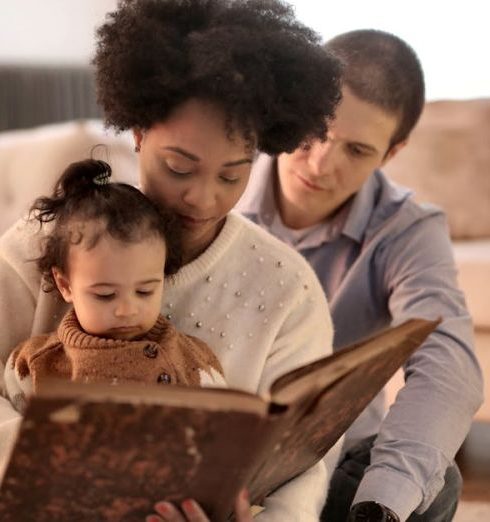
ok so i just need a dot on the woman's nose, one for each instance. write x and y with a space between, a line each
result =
201 197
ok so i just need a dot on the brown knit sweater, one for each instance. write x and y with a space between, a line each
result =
162 355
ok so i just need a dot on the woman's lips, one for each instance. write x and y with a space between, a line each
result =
192 222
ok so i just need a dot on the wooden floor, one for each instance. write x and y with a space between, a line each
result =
474 462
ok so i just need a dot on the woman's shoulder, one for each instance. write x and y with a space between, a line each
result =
20 245
23 238
261 245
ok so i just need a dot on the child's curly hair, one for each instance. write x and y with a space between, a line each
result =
269 73
83 194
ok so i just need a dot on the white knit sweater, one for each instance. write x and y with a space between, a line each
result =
253 299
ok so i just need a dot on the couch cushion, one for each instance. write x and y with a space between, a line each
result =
473 262
447 162
32 160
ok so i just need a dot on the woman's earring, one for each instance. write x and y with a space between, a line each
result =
137 148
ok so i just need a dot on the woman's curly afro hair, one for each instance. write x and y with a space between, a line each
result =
268 72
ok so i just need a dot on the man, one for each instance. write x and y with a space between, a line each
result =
382 259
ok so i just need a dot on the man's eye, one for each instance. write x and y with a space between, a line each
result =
356 151
104 297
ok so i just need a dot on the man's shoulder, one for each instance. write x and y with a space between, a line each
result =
396 209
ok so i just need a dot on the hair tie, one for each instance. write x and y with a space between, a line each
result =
102 178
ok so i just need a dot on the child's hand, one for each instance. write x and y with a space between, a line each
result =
192 512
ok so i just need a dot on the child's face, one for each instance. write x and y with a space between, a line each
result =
116 288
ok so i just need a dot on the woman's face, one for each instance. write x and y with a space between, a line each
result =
189 164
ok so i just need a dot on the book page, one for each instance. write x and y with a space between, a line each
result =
208 398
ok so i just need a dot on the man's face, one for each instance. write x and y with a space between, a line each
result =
317 178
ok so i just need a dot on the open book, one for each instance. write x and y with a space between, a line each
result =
100 452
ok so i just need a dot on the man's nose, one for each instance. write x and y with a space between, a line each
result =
321 158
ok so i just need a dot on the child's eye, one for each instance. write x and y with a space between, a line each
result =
104 297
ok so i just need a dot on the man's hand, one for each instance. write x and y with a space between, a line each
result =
192 511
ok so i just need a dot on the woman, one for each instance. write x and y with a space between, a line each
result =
203 84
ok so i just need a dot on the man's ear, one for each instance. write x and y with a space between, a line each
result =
62 283
393 151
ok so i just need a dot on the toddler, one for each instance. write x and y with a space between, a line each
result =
106 252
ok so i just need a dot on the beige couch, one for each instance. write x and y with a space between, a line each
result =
447 162
31 160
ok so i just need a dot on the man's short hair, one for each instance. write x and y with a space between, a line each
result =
382 69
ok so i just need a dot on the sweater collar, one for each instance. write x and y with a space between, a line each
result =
70 333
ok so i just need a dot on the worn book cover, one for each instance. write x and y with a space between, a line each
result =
96 452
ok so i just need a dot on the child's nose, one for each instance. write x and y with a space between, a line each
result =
125 308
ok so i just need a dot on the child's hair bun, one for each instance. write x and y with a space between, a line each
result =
105 174
82 176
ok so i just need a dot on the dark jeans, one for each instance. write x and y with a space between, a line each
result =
349 472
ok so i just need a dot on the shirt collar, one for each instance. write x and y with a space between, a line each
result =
352 220
361 209
258 199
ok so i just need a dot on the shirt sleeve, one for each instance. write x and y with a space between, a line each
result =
14 388
432 413
302 498
19 286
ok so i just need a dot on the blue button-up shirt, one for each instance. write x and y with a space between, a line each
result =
383 259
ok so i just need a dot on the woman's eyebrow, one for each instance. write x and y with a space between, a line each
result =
238 162
193 157
183 152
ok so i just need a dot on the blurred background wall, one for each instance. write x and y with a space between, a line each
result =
451 37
